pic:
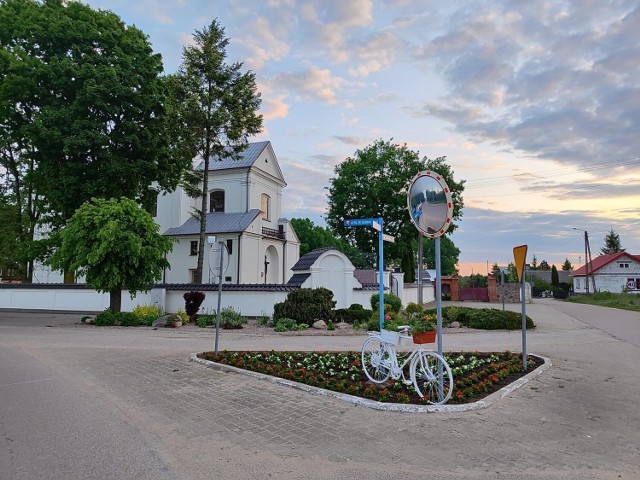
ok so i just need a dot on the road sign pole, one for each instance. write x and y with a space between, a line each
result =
439 296
524 326
220 271
381 273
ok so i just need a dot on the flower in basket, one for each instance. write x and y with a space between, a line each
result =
421 325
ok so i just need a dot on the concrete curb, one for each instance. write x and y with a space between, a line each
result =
391 407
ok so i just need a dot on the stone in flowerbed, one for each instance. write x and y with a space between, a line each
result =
475 374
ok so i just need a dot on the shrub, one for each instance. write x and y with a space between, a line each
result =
264 320
483 318
306 305
389 299
183 316
355 313
206 320
413 308
109 318
287 325
330 325
192 302
229 318
146 314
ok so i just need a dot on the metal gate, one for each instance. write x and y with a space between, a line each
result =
473 294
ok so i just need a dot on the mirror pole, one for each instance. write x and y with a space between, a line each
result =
420 262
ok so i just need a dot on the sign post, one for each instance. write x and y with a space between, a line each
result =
376 224
218 263
430 207
520 255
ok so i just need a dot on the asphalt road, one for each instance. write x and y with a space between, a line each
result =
80 402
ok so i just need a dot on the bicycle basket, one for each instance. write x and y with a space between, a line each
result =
387 336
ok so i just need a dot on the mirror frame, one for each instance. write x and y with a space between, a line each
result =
446 218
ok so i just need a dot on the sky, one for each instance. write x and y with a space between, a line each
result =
536 104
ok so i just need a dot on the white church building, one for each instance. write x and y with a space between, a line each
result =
245 206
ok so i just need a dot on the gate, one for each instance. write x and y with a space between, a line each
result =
474 294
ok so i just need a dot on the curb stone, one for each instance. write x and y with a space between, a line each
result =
391 407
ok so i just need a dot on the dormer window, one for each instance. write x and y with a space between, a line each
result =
216 201
265 206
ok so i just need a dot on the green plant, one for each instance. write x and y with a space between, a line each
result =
263 320
413 308
229 318
330 325
424 324
183 316
288 325
206 320
109 318
389 299
306 305
146 314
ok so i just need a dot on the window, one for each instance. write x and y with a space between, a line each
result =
623 265
194 248
577 283
230 246
192 274
216 201
153 203
266 206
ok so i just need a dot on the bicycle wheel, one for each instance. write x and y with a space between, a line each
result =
376 360
426 370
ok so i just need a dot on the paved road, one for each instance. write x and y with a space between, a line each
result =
89 403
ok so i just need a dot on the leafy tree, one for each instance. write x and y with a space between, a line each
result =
9 241
495 270
449 255
116 244
611 243
373 183
544 265
555 279
313 236
566 266
220 108
82 110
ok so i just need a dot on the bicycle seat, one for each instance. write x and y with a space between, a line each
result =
404 328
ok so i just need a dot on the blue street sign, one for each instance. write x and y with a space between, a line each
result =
359 222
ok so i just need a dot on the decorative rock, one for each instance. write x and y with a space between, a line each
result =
342 326
455 325
168 321
320 325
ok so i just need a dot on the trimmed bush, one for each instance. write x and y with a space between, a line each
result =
306 305
146 314
289 325
355 313
389 299
483 318
109 318
192 302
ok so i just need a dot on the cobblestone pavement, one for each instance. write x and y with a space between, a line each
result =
579 420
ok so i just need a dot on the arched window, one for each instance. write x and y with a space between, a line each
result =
266 206
216 201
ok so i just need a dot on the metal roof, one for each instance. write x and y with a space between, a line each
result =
245 159
308 259
298 279
601 261
217 222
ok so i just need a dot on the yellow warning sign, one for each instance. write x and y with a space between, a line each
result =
520 256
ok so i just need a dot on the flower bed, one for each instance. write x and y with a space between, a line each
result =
475 374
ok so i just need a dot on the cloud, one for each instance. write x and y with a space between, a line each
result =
349 140
375 53
557 81
312 83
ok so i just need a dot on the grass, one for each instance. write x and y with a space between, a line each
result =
475 374
623 301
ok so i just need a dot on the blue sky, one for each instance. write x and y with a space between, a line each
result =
535 104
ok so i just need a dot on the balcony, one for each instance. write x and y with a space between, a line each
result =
270 232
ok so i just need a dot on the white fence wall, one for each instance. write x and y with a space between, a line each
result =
250 303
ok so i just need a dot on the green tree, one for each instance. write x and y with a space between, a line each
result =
555 279
611 243
116 244
313 236
449 255
373 183
82 110
495 270
566 266
544 265
9 238
220 108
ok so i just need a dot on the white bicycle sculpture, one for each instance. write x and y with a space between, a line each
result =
428 372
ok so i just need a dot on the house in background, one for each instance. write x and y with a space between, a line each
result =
245 204
614 273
